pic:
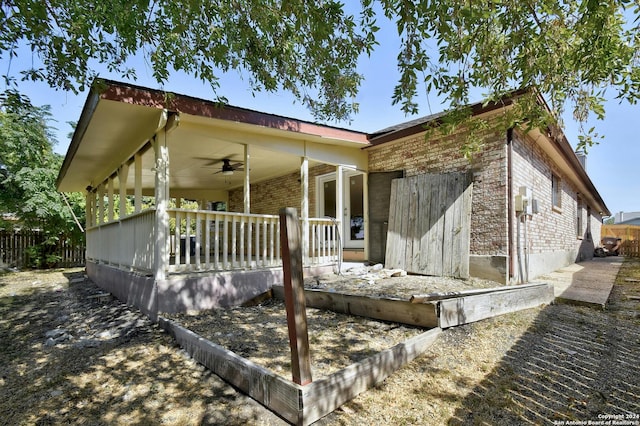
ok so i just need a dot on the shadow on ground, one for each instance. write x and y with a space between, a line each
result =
574 363
71 356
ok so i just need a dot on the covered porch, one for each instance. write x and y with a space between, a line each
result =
185 192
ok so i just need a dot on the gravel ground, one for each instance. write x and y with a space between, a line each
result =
107 364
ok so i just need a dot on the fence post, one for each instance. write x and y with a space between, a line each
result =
294 300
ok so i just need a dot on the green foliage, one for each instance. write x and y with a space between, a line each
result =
571 51
29 169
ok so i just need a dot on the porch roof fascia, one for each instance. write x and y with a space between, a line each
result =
109 90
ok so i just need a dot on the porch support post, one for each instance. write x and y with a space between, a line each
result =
88 209
304 207
100 218
161 253
137 192
123 175
247 182
365 213
340 209
110 209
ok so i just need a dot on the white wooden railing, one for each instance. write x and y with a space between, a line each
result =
126 243
203 240
206 240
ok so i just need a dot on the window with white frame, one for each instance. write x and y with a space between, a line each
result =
556 191
579 222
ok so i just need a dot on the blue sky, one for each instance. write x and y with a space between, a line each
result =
612 165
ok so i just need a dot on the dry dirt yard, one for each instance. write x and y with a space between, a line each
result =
67 357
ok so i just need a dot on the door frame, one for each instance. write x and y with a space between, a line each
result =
345 232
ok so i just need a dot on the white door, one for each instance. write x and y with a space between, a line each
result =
352 233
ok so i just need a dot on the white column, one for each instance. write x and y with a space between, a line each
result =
340 206
110 208
247 183
137 192
100 218
365 206
161 252
123 175
88 209
304 207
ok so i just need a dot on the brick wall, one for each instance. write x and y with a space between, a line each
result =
268 197
442 154
552 229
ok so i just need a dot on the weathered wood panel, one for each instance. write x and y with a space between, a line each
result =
323 396
379 190
429 224
271 390
385 309
466 309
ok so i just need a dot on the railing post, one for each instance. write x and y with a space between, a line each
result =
294 296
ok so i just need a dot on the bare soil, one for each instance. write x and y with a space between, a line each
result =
67 357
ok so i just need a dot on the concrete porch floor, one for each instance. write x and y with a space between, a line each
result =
585 283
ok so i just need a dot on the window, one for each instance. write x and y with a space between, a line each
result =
556 192
579 210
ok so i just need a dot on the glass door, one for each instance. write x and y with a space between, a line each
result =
352 233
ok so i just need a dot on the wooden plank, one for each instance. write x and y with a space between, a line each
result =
430 297
323 396
463 310
465 234
269 389
380 308
392 236
448 223
413 237
294 299
425 223
401 247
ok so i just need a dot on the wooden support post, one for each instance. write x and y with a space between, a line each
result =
110 209
123 175
339 213
304 207
161 250
247 183
294 296
100 219
137 191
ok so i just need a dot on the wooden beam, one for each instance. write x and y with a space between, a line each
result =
466 309
110 209
137 191
430 297
269 389
340 209
161 252
380 308
325 395
247 181
304 206
100 218
294 296
123 175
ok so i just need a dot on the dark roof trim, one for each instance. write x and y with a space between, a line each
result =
567 152
416 126
128 93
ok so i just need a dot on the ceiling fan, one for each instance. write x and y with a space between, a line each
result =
227 168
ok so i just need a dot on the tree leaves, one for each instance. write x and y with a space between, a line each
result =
311 49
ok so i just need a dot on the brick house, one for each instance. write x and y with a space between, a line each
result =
140 153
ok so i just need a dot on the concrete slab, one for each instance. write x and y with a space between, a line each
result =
585 283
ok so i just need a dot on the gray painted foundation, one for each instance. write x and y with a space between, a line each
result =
188 292
494 268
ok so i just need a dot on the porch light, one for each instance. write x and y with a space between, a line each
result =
227 172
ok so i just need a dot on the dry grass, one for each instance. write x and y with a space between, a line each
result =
532 367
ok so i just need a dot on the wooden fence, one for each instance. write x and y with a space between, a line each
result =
19 249
630 236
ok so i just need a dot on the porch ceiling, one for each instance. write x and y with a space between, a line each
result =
119 121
